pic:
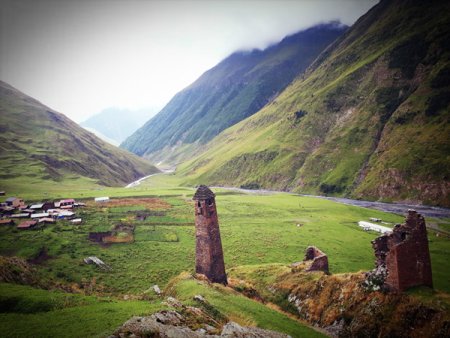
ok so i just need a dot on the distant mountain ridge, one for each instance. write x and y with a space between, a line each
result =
117 124
233 90
38 143
369 119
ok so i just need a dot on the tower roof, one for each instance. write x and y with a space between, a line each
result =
203 193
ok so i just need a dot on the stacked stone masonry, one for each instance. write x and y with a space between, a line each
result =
319 261
208 252
405 254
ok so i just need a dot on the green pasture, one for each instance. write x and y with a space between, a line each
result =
256 229
29 312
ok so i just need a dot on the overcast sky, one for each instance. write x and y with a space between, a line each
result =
82 56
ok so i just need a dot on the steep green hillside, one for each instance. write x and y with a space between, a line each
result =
38 144
231 91
370 118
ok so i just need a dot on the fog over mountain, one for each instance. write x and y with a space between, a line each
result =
115 124
138 53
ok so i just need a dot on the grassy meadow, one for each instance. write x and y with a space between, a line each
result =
30 312
256 229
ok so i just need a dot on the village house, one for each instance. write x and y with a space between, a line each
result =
15 202
47 220
27 225
101 199
42 206
65 214
47 205
6 222
36 206
54 212
40 215
4 210
67 203
21 215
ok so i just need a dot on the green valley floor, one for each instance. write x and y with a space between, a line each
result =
256 229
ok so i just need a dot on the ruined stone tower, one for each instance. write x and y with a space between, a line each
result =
208 250
404 254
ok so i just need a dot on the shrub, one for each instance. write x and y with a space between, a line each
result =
251 186
437 102
442 78
408 55
375 279
330 188
299 114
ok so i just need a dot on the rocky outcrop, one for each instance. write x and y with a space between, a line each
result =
232 329
173 324
17 270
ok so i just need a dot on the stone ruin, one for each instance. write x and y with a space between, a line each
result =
318 260
208 251
402 257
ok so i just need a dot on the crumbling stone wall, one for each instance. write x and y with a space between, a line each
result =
404 255
99 236
208 252
319 261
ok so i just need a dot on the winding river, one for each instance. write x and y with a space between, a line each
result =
396 208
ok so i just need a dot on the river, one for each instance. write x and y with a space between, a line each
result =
395 208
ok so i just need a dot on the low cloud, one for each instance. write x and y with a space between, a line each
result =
82 56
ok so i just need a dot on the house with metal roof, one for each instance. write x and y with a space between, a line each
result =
14 202
40 215
27 225
6 222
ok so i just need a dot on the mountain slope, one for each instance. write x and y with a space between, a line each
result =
39 143
236 88
117 124
369 119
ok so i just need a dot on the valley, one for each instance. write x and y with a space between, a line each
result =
367 119
163 247
299 187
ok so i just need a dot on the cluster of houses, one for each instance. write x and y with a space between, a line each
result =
27 216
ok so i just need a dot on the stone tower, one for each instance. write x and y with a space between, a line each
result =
208 250
405 254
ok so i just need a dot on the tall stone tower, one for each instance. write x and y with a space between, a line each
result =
208 250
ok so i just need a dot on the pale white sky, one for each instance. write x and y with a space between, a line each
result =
81 56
